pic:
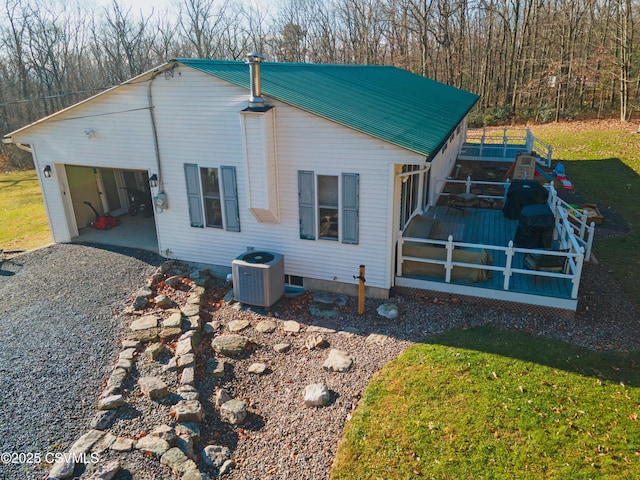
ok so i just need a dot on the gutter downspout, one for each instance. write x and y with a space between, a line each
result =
154 129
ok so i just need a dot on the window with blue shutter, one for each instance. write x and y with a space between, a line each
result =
193 195
230 196
350 204
307 204
217 197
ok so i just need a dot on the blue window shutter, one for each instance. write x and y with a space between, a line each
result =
307 204
230 196
193 194
350 203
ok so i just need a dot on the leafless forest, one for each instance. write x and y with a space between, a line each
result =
538 60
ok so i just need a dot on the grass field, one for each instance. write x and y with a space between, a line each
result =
490 404
602 161
22 215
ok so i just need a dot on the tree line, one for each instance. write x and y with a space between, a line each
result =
538 60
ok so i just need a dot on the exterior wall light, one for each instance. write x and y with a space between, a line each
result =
153 181
46 171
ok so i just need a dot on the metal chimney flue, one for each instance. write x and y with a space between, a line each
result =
254 59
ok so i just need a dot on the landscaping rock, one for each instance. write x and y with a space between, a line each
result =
103 420
144 336
140 303
85 442
237 325
125 364
184 346
216 368
152 444
188 376
177 461
153 387
257 368
62 470
163 301
106 471
338 361
144 323
193 474
315 341
166 433
170 333
185 444
189 429
188 392
376 338
291 326
230 345
195 322
188 411
186 360
266 326
104 443
323 325
189 310
130 343
215 455
233 411
316 395
111 402
127 354
388 310
222 397
226 467
122 445
154 350
174 320
172 281
145 292
282 347
322 310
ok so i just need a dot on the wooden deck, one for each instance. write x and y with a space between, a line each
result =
490 228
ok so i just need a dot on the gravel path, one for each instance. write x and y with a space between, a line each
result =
59 324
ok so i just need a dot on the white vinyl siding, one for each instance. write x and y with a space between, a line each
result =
197 116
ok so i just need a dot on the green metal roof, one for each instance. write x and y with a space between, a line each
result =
388 103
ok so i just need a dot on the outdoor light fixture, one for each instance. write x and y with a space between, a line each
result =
90 132
47 171
153 180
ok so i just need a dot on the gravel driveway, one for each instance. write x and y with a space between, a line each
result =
59 338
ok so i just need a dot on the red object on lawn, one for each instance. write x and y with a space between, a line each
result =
102 222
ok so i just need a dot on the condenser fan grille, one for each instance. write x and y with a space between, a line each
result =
258 257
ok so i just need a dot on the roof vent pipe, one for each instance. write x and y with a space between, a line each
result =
254 59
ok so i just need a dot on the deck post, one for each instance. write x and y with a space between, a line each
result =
448 267
549 155
529 141
576 277
507 184
504 142
399 255
592 229
484 132
468 184
583 225
507 269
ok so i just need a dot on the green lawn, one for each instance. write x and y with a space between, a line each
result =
22 215
603 162
490 404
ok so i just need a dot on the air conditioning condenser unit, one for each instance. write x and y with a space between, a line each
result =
258 278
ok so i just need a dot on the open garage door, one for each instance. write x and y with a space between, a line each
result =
109 191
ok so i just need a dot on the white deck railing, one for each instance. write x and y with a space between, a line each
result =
571 234
509 141
576 218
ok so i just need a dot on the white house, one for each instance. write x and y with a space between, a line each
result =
309 161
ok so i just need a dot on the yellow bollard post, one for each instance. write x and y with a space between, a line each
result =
361 291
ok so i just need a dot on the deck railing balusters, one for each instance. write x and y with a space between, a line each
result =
507 269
